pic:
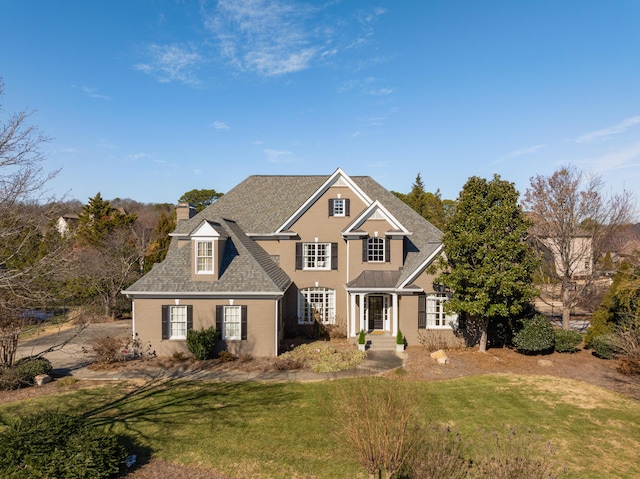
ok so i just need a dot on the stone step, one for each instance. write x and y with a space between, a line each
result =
381 342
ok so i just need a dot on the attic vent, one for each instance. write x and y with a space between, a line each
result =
340 182
377 215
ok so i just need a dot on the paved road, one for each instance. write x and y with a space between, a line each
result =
77 352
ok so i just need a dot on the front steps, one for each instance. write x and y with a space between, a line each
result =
381 342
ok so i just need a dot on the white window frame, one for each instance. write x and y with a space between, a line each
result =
204 266
317 301
313 257
178 322
232 316
339 207
436 317
375 250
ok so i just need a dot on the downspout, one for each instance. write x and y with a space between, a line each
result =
276 316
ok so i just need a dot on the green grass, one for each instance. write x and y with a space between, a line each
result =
284 430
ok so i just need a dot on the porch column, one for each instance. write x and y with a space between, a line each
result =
352 315
362 308
394 313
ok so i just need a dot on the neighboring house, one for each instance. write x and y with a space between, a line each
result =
67 223
280 250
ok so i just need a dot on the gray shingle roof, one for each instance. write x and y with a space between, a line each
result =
246 267
259 206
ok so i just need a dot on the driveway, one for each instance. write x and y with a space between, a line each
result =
72 356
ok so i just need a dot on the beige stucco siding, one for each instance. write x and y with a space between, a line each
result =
261 325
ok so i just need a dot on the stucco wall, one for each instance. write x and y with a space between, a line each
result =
261 325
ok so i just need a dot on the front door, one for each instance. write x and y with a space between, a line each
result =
376 312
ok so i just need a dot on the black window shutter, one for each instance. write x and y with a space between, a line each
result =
387 250
422 311
334 255
330 207
165 322
219 318
298 255
243 323
189 317
365 250
347 209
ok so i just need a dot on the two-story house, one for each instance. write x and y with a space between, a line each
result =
334 249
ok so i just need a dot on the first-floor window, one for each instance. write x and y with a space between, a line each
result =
176 320
317 304
231 322
431 313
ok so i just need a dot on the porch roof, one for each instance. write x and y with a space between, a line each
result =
375 280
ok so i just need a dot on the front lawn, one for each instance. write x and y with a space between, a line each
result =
284 430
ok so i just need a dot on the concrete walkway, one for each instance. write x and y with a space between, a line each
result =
75 356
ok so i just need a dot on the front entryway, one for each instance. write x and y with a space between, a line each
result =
377 311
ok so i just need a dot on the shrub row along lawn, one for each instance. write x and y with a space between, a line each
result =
284 430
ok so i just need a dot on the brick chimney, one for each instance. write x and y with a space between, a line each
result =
184 211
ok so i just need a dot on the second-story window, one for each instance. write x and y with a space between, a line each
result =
316 256
204 256
375 250
339 207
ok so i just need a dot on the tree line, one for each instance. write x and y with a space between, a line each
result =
495 242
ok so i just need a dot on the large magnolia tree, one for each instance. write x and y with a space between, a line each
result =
487 262
575 223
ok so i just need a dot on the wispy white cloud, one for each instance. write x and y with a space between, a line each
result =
606 133
379 91
614 160
279 156
525 151
170 63
106 144
92 93
220 125
277 37
269 37
137 156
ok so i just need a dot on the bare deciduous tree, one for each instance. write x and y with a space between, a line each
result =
24 264
574 222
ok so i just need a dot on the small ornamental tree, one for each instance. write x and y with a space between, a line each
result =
487 262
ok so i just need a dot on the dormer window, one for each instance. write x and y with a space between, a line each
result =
204 256
339 207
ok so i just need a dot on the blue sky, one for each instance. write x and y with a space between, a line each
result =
150 99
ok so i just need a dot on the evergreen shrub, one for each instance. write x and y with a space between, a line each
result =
536 336
567 341
604 346
52 444
29 368
202 343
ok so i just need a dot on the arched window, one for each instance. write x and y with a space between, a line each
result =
317 304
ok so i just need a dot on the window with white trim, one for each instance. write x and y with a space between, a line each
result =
431 312
375 250
317 304
316 256
231 327
338 207
204 256
177 322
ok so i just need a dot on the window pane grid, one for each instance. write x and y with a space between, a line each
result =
178 320
316 255
375 250
338 207
436 315
232 317
317 304
204 256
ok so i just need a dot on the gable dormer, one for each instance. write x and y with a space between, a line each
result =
208 241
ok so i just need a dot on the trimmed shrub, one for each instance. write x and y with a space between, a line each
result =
64 446
604 346
567 341
202 343
29 368
536 336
